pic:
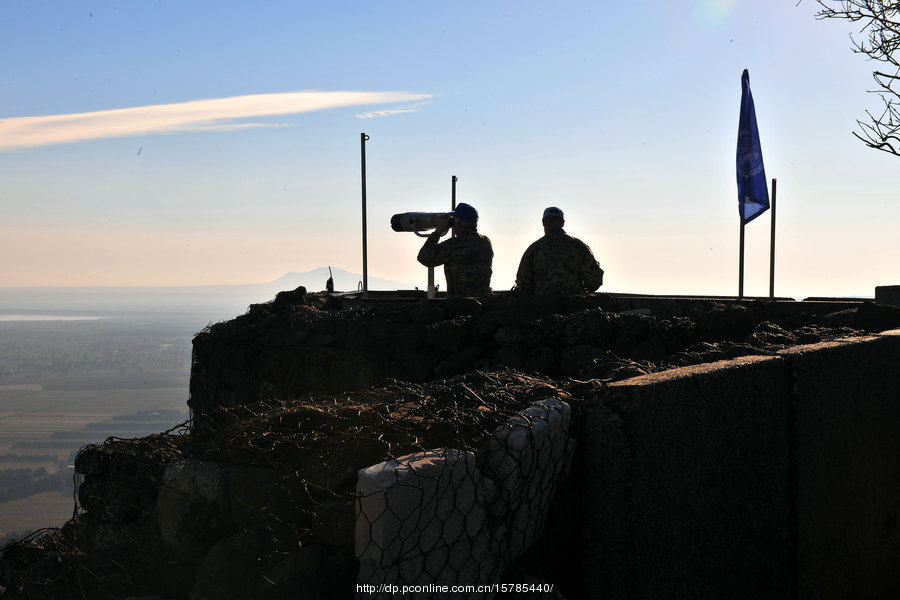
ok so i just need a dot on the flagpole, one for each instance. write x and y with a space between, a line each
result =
753 195
741 263
772 245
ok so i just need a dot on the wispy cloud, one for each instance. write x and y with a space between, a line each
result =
374 114
185 117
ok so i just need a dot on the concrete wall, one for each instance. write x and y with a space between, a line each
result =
761 477
846 458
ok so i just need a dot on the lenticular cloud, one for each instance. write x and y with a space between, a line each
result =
196 115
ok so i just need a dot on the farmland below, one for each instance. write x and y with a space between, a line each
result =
68 380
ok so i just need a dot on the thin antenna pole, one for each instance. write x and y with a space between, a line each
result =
772 245
362 142
741 265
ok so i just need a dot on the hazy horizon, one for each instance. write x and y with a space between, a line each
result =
220 301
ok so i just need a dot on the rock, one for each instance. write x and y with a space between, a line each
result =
807 335
422 314
652 348
121 480
542 359
508 357
631 330
680 333
592 327
770 334
192 508
298 575
548 331
766 338
446 336
615 370
575 304
418 363
460 362
841 318
877 317
233 567
508 336
460 307
296 296
574 360
633 323
726 322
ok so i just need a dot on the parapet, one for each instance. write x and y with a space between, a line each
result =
308 343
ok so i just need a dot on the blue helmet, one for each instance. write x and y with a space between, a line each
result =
465 212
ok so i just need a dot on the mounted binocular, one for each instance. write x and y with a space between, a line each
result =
417 221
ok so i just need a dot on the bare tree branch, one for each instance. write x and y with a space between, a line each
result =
880 28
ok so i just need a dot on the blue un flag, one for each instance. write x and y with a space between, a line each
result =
753 193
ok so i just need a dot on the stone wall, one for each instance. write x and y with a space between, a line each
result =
770 477
288 350
315 343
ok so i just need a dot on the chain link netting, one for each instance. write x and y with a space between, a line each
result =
104 549
443 482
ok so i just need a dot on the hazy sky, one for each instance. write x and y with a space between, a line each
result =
175 143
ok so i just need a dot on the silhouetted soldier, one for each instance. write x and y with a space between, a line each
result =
467 257
558 263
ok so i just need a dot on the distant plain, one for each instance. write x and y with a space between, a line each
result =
68 382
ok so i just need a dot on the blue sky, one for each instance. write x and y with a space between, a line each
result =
218 142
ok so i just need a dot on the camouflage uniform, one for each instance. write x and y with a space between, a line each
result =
467 261
558 264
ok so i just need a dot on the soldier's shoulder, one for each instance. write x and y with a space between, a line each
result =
577 242
536 244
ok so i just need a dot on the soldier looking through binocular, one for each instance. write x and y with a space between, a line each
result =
467 257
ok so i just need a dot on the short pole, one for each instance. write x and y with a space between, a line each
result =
453 199
453 181
772 245
741 263
362 141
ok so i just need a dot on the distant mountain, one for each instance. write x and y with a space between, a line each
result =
219 301
314 281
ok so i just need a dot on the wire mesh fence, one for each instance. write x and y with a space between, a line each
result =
442 483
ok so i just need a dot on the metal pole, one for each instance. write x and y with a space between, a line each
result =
772 245
453 199
362 142
453 193
741 265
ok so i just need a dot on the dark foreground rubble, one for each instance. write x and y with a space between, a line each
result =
256 496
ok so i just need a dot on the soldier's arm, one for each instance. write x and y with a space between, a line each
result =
432 253
525 274
591 273
487 251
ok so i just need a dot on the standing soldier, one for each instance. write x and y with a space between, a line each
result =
467 257
558 263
